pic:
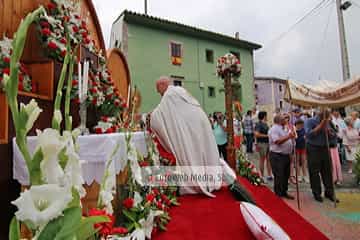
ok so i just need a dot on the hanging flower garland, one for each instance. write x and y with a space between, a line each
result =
247 169
228 64
101 95
25 83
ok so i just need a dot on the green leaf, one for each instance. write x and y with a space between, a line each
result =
131 216
86 228
63 158
14 231
51 229
72 221
35 170
75 202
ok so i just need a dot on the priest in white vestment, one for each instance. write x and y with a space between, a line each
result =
184 129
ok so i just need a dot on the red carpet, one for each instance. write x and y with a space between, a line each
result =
200 217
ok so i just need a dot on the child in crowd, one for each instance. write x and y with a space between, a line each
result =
300 150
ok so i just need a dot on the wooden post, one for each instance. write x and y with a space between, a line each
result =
230 150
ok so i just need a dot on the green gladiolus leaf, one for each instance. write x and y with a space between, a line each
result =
72 221
75 202
63 158
52 229
35 171
14 232
86 228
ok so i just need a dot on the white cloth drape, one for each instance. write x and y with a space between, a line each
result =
95 150
184 129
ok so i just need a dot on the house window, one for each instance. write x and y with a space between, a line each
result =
176 53
280 88
177 80
281 104
211 92
209 56
177 83
237 54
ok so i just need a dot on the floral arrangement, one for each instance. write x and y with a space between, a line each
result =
50 208
247 169
228 64
25 83
102 95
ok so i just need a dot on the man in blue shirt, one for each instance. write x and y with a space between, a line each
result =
318 133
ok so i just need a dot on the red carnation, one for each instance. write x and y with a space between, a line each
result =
52 45
119 230
164 197
6 71
20 86
104 118
94 101
77 16
75 82
44 24
159 205
83 24
114 128
84 34
21 77
156 191
98 131
77 100
63 53
128 203
86 40
109 130
46 32
117 102
116 90
63 41
109 96
105 227
124 105
150 197
75 28
144 164
93 90
51 6
6 59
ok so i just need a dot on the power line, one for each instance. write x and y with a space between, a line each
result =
315 9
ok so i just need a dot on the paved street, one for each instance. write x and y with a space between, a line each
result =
340 223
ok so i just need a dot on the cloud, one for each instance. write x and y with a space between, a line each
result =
302 54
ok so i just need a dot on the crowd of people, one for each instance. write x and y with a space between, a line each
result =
316 145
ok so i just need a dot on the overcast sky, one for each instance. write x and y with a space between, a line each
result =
306 54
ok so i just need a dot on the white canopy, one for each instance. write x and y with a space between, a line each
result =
326 94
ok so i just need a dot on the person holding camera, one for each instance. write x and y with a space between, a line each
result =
219 130
318 132
281 148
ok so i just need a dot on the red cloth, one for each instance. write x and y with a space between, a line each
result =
200 217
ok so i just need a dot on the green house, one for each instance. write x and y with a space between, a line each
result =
155 47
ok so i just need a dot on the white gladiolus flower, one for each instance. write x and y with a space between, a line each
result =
106 198
58 116
137 199
73 174
148 224
41 204
33 111
51 144
134 164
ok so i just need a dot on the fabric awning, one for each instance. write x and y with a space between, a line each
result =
341 95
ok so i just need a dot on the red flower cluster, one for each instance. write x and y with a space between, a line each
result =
107 228
128 203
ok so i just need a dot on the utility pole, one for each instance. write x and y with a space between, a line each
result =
145 3
340 7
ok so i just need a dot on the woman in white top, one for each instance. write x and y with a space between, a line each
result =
351 140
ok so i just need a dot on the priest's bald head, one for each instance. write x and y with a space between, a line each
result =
162 84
